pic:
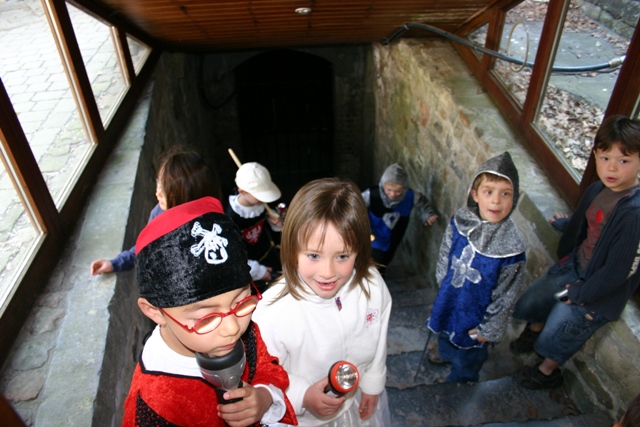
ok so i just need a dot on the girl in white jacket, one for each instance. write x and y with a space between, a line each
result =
330 305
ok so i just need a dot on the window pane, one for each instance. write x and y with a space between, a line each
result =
523 22
18 236
32 72
479 37
100 60
577 96
139 53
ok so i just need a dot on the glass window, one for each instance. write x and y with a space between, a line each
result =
479 37
520 39
139 52
34 78
101 62
18 235
579 88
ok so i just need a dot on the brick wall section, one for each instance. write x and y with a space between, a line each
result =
620 16
434 118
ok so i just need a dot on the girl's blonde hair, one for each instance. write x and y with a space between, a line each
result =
316 205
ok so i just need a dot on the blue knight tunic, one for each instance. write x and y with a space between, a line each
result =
480 270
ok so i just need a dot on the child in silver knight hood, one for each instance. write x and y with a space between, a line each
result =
480 270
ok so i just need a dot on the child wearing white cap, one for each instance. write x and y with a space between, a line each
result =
247 210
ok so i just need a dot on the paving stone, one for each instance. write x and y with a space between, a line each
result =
406 339
409 316
31 355
50 299
46 320
25 386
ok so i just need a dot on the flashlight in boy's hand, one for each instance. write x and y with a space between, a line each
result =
224 372
563 295
343 377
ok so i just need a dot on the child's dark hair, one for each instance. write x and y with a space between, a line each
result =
319 203
621 130
184 176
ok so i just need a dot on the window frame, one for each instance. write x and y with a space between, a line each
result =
56 223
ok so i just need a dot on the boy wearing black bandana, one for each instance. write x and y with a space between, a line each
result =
194 284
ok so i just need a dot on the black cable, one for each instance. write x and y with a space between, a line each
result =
613 63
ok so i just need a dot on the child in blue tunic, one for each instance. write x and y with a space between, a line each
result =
390 204
480 270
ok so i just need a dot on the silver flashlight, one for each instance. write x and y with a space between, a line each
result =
224 372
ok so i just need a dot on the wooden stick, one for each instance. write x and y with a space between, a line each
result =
238 163
235 158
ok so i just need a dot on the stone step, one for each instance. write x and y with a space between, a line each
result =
418 395
406 340
493 402
582 420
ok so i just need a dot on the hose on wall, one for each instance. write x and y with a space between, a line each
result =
611 64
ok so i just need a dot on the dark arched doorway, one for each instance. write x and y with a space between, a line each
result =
285 112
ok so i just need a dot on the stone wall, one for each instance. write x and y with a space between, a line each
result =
433 117
620 16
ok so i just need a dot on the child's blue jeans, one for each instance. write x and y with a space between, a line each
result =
567 327
536 303
465 363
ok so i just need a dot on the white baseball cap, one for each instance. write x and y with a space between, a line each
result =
255 179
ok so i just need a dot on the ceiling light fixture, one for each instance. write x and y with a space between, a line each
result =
303 10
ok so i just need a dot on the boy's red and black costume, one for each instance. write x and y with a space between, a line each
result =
259 237
165 399
188 254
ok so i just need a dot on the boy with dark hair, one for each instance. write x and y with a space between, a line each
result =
480 270
192 273
598 254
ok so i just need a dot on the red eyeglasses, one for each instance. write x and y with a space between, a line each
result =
211 321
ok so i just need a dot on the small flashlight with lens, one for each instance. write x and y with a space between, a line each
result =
224 372
562 296
343 377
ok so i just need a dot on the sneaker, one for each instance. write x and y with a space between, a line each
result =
533 379
524 343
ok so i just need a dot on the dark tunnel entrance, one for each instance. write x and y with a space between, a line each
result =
286 116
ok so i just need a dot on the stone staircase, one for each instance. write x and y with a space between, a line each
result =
418 395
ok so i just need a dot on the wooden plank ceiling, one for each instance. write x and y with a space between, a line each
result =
215 25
